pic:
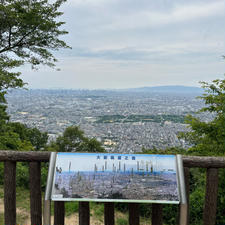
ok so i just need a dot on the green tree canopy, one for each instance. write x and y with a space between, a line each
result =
37 138
73 140
208 138
29 32
17 136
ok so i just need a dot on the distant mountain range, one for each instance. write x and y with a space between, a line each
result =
172 89
166 89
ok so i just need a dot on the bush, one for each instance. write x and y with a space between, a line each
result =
121 221
71 207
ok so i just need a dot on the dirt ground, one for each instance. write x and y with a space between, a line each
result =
72 219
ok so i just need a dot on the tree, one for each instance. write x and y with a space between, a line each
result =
73 140
209 137
92 145
29 32
17 136
37 138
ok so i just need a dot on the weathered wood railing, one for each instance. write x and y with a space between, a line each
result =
10 158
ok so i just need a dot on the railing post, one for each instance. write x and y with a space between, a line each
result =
84 213
109 218
157 214
59 213
10 192
35 193
134 214
209 215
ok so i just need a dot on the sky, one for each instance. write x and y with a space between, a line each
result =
136 43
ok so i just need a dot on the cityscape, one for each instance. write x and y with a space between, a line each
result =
123 121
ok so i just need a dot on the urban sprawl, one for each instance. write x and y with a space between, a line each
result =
124 121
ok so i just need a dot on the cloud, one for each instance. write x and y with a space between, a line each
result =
178 52
153 18
99 73
121 43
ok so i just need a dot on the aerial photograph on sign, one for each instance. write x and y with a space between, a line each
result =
115 177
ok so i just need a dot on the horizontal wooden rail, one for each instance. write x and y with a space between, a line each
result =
18 156
203 161
32 156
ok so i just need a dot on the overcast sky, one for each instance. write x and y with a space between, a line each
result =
135 43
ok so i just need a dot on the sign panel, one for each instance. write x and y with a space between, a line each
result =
115 178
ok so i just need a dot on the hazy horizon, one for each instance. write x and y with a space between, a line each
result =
131 43
112 89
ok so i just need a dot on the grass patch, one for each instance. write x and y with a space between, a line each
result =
121 221
98 210
1 218
1 192
23 199
21 218
71 207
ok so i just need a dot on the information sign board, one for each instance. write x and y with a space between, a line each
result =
115 178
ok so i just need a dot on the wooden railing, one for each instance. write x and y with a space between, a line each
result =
10 158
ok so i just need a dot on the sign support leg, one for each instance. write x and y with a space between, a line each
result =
47 212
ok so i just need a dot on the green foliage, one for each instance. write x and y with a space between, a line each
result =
220 219
29 32
98 209
10 140
8 79
170 214
122 207
92 145
3 116
73 140
29 29
37 138
121 221
17 136
71 207
208 138
44 175
22 175
140 118
197 203
167 151
2 218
